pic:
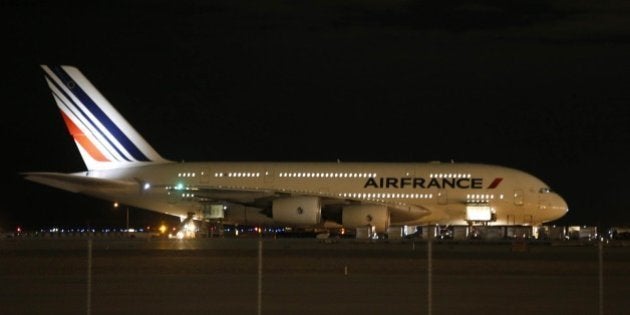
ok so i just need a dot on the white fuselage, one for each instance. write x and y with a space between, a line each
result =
415 193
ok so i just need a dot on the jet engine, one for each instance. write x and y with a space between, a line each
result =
363 215
301 211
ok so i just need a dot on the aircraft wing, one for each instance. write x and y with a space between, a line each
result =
331 206
250 197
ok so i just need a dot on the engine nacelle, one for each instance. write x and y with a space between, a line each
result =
301 211
362 215
246 216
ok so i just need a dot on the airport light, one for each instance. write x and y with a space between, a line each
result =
478 213
189 230
180 235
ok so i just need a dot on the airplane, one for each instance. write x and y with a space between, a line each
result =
122 167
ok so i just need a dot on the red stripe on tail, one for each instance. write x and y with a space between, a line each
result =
80 137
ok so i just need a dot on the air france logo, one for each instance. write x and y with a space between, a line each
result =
422 183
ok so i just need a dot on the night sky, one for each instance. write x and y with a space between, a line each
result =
541 86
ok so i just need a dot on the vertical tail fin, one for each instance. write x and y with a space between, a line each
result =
104 138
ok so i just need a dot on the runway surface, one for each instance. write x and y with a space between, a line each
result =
306 276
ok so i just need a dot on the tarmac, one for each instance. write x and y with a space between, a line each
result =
250 275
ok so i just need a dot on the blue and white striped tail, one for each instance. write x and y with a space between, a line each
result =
104 138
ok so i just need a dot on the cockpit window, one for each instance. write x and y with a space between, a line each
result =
545 190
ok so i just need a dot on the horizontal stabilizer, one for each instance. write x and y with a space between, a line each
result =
77 183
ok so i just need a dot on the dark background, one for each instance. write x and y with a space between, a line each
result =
541 86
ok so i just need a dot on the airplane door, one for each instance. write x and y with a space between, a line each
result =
204 178
267 177
518 197
441 197
172 197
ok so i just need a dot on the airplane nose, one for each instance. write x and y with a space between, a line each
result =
559 207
